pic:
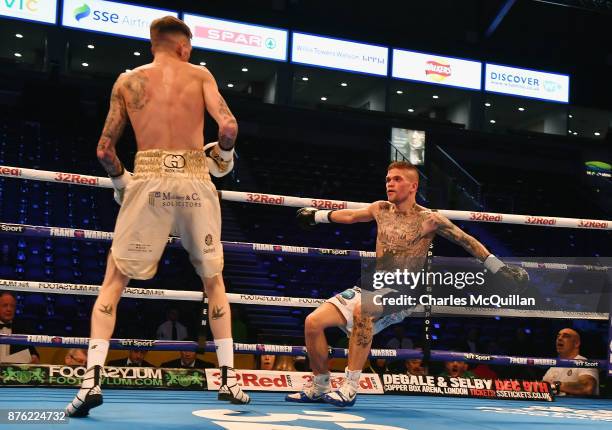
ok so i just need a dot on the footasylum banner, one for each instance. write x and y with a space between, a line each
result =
112 377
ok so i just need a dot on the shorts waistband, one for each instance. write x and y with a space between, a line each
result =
175 164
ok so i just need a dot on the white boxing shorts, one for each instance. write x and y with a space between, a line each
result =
346 301
170 191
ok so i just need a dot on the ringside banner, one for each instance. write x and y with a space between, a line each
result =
111 377
502 389
269 380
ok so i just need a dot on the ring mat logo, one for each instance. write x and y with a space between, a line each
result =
239 420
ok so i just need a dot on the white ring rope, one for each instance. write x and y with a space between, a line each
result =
150 293
291 201
302 302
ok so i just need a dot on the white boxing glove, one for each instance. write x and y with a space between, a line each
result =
220 162
120 183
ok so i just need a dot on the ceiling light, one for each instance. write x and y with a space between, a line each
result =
436 97
230 85
244 69
128 70
202 63
136 53
575 133
85 64
323 99
492 121
90 46
487 104
305 78
17 54
19 36
343 84
521 109
399 92
597 133
570 116
410 110
569 131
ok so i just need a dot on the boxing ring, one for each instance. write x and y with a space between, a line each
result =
165 409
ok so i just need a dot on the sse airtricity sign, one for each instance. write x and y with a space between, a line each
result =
30 10
111 17
527 83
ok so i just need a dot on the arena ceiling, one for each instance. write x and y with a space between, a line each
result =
569 36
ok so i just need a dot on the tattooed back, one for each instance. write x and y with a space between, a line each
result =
165 104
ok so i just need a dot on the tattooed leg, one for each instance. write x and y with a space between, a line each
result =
104 312
217 312
220 317
361 339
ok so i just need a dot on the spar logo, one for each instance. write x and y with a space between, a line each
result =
81 12
234 37
437 71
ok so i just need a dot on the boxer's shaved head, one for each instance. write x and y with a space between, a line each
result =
170 34
409 170
162 28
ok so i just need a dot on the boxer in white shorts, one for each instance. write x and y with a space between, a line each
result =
165 101
346 302
404 233
170 191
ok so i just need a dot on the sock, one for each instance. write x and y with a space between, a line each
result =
321 383
96 356
225 351
353 376
321 380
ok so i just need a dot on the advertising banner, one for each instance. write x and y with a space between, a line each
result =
435 69
237 37
111 17
339 54
527 83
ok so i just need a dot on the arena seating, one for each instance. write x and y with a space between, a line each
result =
318 171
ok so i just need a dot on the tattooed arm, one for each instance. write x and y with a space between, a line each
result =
585 386
113 128
351 216
450 231
218 109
